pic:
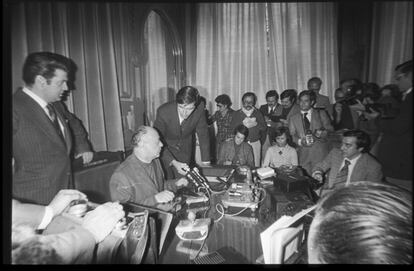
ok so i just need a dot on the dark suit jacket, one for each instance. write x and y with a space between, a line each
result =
274 119
79 135
42 163
179 139
395 151
366 169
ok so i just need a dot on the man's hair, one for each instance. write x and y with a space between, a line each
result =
187 95
362 139
44 64
292 94
242 130
223 99
316 80
364 223
251 94
395 91
272 93
35 251
310 93
137 136
405 67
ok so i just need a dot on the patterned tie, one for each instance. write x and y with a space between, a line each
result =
306 121
53 118
342 175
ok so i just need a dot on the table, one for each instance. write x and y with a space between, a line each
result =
239 233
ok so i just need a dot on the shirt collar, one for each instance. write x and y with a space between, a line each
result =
353 160
406 93
309 112
35 97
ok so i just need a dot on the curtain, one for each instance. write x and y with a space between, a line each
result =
303 44
82 32
238 50
156 92
231 49
392 39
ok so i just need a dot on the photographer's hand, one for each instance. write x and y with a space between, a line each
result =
371 115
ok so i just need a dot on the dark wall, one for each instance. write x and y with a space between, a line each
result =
354 36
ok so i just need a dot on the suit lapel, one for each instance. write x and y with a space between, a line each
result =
68 140
359 167
38 116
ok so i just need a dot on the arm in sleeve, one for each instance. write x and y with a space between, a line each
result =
31 214
203 134
325 164
161 126
401 124
294 157
121 190
266 160
250 158
80 136
293 131
75 246
375 174
326 120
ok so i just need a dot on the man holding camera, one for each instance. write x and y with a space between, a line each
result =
396 141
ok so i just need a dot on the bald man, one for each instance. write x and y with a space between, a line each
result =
140 178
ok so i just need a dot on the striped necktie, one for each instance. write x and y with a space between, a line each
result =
342 175
54 119
306 121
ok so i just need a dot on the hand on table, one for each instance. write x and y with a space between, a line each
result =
181 182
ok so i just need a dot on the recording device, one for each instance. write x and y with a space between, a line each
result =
241 196
193 175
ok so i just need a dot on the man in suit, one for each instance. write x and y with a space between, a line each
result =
395 149
178 122
73 245
81 145
352 163
41 137
268 110
289 107
253 119
140 178
322 101
310 124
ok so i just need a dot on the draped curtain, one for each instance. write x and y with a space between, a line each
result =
303 44
231 49
392 39
156 92
84 33
238 50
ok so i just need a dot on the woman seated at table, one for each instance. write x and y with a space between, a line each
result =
235 151
281 153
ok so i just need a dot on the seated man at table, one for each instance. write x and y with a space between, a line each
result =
140 178
349 164
363 223
74 246
236 151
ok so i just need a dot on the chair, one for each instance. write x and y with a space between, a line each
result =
93 178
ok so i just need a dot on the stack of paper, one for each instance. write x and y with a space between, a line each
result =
280 238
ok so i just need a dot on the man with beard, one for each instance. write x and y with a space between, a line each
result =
253 119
